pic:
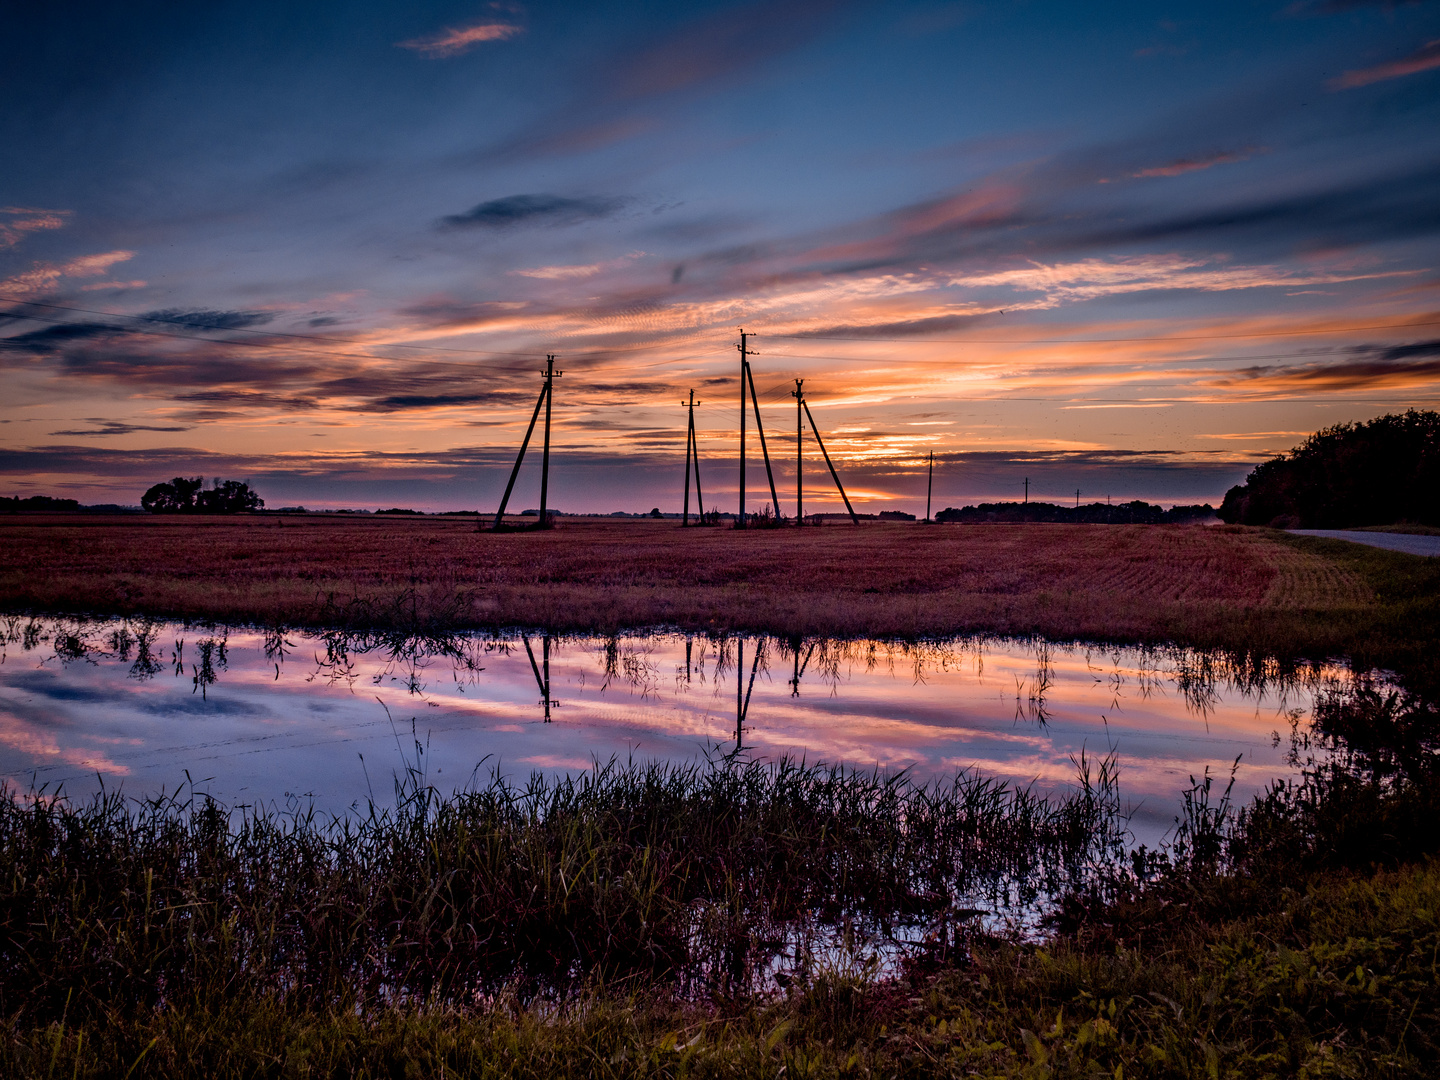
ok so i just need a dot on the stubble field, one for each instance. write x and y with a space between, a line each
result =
1220 586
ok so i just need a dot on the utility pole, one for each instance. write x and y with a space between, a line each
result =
543 399
744 366
1077 498
854 518
760 430
692 453
1027 490
550 375
929 486
798 394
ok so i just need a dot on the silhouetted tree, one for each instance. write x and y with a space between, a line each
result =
1375 473
188 495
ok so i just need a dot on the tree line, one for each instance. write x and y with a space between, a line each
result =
1380 472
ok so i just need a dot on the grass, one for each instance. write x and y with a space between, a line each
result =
1235 588
706 881
145 944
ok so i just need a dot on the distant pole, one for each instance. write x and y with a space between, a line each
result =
1077 498
1027 489
929 485
550 375
744 364
799 395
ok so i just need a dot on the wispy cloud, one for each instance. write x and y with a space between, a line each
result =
1422 59
532 210
1250 436
456 40
100 286
1183 165
209 320
115 427
44 276
567 273
18 222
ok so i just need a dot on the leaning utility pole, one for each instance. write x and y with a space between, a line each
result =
544 399
833 474
797 394
744 366
929 485
760 430
692 454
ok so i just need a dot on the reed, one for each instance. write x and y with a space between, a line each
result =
708 879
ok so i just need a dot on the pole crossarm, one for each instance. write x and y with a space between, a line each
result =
833 474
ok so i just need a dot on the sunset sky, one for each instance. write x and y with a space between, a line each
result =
1130 248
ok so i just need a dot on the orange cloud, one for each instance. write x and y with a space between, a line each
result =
454 41
17 222
1194 164
1422 59
43 276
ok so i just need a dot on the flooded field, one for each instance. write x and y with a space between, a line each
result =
262 717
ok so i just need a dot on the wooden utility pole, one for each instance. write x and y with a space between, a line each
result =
929 485
1027 489
550 375
692 453
744 365
798 393
833 474
1077 498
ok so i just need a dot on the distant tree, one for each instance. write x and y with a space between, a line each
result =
1379 472
188 495
655 513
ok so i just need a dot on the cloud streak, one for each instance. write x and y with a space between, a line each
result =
515 210
1423 59
456 40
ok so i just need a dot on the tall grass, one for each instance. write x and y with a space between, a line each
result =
711 879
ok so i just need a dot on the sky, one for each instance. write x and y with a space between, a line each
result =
1125 249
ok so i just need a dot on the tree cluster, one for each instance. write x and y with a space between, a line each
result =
1380 472
1136 512
189 495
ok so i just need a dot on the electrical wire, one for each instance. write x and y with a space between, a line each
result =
1086 341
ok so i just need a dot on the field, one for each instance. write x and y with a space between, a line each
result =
639 922
1228 586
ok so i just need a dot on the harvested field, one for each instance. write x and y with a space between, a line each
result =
1228 586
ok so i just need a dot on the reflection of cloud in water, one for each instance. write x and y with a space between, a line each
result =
266 717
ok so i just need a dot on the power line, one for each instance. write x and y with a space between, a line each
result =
1086 341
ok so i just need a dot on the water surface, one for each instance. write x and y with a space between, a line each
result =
250 716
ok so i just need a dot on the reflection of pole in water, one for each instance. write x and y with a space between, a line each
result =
542 681
739 691
545 647
689 643
742 691
799 667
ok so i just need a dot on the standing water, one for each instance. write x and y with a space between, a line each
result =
256 717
